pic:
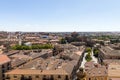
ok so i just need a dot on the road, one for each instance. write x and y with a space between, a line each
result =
83 61
93 59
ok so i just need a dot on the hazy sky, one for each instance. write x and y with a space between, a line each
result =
60 15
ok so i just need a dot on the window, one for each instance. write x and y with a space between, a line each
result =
3 75
7 77
37 76
3 71
8 64
30 78
22 77
59 76
15 76
3 66
8 68
44 77
51 77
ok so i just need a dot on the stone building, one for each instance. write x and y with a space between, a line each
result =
52 68
4 65
107 52
95 71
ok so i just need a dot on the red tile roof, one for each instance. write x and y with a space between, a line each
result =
114 78
4 59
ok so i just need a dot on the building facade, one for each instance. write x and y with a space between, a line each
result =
4 66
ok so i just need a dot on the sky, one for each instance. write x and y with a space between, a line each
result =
59 15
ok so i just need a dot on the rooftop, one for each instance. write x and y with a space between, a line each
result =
93 69
108 51
111 61
22 57
114 69
4 59
114 79
50 64
44 72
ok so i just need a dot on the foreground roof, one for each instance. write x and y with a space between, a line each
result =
4 59
37 72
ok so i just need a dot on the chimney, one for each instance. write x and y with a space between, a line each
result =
41 70
96 65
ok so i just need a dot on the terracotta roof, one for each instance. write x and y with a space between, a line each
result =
114 78
114 70
93 69
107 51
4 59
114 73
44 72
100 71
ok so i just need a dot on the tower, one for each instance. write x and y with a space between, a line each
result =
20 40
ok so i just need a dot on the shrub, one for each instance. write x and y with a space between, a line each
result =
96 52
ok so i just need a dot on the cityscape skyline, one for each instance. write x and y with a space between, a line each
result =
59 15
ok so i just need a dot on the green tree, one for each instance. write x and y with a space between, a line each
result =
88 49
88 57
24 47
63 41
96 52
74 34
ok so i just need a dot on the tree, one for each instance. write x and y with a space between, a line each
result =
63 41
88 49
69 39
88 57
74 34
73 38
24 47
96 52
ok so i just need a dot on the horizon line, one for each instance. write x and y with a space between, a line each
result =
56 31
